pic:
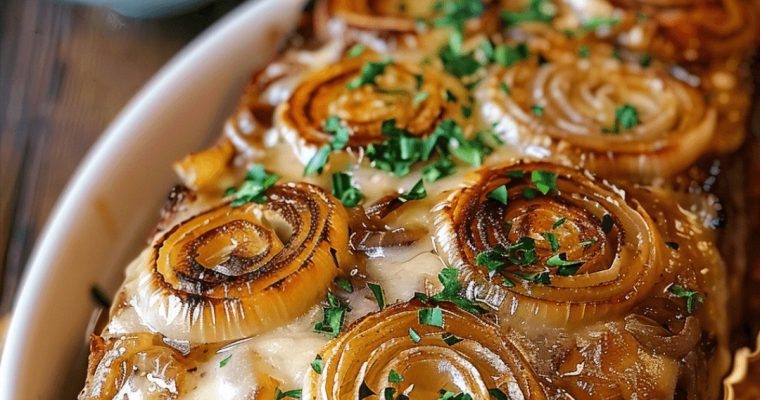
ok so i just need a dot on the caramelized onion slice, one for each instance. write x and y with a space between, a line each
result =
136 365
570 109
361 358
416 97
741 383
678 30
394 16
232 272
615 243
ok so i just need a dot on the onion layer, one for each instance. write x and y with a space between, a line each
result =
614 242
693 30
232 272
136 364
578 117
362 358
395 95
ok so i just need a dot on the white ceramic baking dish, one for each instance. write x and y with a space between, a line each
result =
108 208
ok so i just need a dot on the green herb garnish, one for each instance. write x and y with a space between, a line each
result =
545 181
432 316
537 110
626 118
345 191
369 72
340 135
316 365
356 50
395 377
417 192
692 297
414 335
552 239
225 361
499 194
450 339
290 394
377 291
334 314
536 11
256 182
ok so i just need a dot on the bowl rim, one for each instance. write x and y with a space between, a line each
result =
26 311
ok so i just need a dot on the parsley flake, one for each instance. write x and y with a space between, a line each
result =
499 194
537 110
596 23
316 365
417 192
395 377
334 314
290 394
552 239
225 361
439 169
692 297
339 141
256 182
414 335
369 72
450 339
626 118
356 50
536 11
432 316
545 181
345 191
377 291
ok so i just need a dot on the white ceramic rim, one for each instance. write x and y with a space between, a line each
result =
16 372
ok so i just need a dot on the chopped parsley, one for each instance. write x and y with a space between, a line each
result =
450 339
587 243
395 377
397 154
521 253
316 365
334 314
566 267
545 181
456 12
537 277
256 182
369 72
420 97
692 297
432 316
356 50
509 55
466 111
438 169
451 292
414 335
537 110
345 191
595 23
225 361
417 192
447 395
536 11
377 291
339 141
552 240
290 394
498 394
626 118
458 64
558 223
344 284
505 88
500 194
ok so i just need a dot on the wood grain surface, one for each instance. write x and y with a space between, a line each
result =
65 72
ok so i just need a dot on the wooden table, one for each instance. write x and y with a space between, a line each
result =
65 71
